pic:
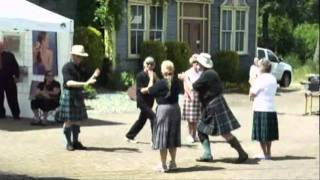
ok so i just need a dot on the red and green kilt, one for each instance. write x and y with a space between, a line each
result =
191 110
265 126
217 118
72 106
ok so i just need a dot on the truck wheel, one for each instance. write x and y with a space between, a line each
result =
285 80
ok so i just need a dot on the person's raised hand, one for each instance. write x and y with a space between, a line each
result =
96 73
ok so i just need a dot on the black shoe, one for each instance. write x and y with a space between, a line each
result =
70 147
16 117
35 123
2 116
79 146
242 158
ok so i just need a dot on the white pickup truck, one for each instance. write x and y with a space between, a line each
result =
281 70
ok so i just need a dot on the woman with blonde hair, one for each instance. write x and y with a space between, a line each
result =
167 126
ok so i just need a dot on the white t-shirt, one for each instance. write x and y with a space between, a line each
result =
265 89
192 75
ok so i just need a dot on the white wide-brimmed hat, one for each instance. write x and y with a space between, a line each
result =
78 50
205 60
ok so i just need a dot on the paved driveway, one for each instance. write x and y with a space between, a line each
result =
28 152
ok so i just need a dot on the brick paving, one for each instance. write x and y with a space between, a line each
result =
28 152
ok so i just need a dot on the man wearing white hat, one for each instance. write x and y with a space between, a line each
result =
72 108
9 74
217 118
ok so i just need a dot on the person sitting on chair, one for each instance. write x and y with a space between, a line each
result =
46 99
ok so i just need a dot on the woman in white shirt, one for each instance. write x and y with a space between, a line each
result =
265 121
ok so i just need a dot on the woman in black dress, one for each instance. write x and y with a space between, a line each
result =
72 108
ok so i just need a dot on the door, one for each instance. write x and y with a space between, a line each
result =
192 34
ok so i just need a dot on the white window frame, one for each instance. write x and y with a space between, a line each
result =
146 36
234 8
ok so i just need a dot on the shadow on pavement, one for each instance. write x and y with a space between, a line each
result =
115 149
5 176
23 124
196 168
250 161
284 158
288 90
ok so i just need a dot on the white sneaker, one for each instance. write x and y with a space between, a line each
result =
190 139
196 139
131 141
172 165
161 168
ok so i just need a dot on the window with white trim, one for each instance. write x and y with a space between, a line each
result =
234 26
137 28
156 23
146 22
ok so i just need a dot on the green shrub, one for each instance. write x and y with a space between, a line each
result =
121 80
127 79
155 49
92 41
306 36
226 63
179 53
280 31
300 73
89 92
293 60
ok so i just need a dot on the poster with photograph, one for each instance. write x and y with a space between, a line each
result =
44 52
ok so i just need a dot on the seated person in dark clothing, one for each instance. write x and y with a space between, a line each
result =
46 99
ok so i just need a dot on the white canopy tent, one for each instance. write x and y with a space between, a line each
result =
20 18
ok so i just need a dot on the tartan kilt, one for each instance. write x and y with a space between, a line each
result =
217 118
191 110
72 106
265 126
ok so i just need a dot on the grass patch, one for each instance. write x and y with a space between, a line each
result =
300 73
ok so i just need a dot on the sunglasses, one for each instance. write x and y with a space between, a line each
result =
150 63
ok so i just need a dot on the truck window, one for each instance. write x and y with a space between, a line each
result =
261 54
272 58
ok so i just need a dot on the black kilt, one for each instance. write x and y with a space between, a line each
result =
217 118
265 126
72 106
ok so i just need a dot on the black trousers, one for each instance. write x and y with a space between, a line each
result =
9 88
44 104
146 113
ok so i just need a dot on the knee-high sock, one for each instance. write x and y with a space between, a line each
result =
75 133
67 133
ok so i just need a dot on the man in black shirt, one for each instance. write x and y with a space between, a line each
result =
216 119
144 101
9 74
